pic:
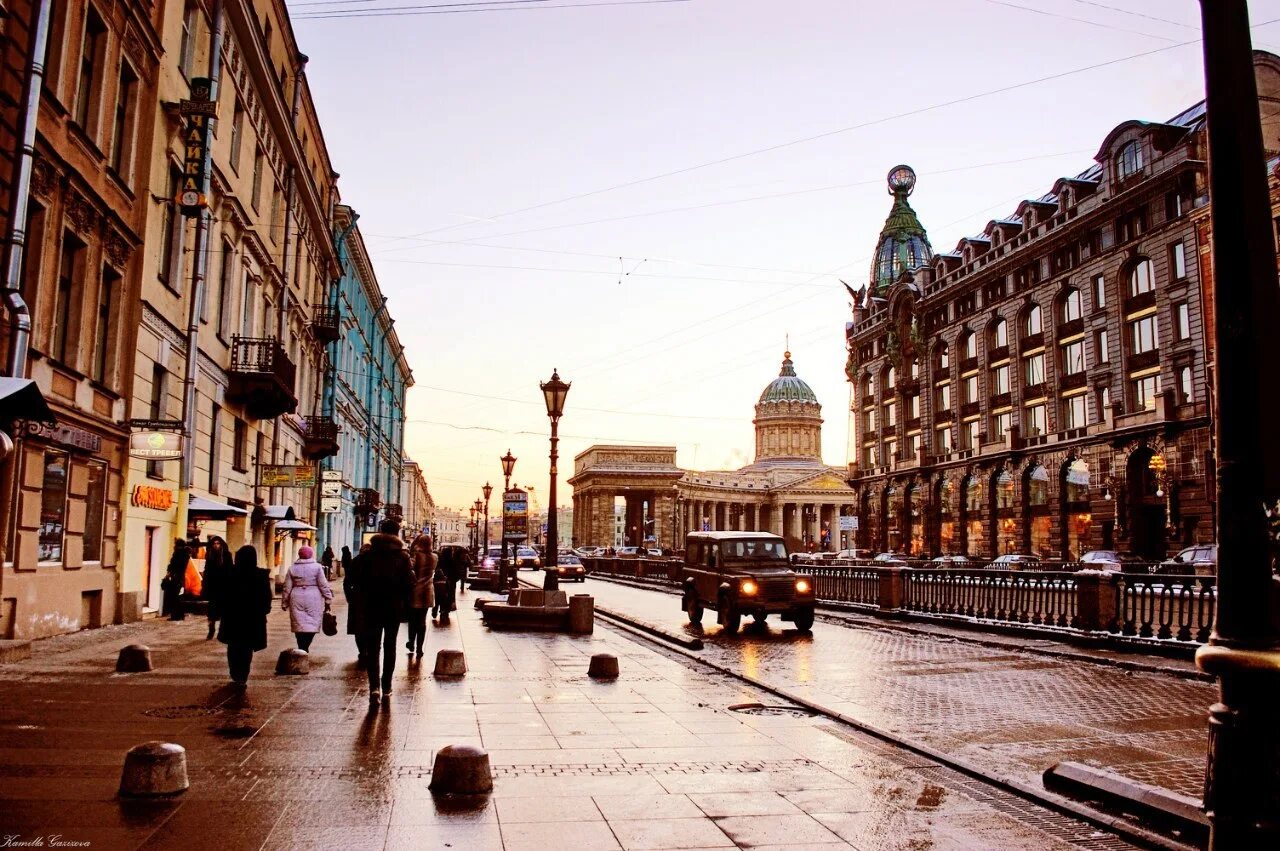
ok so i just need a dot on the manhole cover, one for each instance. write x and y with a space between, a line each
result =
193 711
761 709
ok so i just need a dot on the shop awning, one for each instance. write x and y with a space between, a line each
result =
279 512
294 526
20 399
201 507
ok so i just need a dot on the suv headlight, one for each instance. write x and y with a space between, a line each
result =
748 587
803 586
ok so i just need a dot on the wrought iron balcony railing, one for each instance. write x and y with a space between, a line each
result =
261 377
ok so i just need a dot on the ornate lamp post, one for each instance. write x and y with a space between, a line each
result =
1242 786
476 512
508 464
487 490
472 527
554 392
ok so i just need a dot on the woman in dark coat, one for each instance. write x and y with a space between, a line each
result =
346 559
218 564
244 600
351 579
174 576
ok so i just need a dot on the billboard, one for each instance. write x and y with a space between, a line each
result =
515 515
287 475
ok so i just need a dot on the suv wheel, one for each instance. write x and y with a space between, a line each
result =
730 617
694 610
803 620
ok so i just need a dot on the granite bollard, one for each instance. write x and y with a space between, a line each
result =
461 770
604 666
450 663
293 662
153 769
134 659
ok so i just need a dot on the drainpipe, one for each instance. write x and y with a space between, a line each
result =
199 271
19 315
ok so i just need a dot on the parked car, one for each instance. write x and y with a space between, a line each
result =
628 552
527 557
743 573
890 560
589 552
855 554
1015 561
569 567
653 552
1102 557
951 561
1201 560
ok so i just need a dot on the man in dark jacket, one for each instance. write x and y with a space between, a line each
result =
385 586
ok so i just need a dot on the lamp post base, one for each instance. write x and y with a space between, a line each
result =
1242 774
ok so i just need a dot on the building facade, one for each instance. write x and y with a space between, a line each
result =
61 507
364 393
415 497
1044 387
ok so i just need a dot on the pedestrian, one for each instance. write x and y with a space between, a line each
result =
424 595
244 600
444 599
306 597
455 571
174 577
217 566
352 576
386 584
327 560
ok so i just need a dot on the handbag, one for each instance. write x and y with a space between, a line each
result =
329 622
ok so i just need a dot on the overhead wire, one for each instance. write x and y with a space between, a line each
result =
387 12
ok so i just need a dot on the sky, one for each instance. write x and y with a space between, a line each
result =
655 197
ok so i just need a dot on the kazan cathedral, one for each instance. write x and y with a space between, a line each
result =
788 490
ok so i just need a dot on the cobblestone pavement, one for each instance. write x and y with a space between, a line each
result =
655 760
1010 712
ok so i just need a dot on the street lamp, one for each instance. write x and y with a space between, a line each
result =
554 392
1242 786
487 490
472 527
508 464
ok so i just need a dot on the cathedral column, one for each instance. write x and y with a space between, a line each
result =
793 525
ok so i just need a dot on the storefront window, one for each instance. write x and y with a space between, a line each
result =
53 506
1078 517
1040 543
1038 487
893 518
915 504
947 543
95 505
1078 481
973 517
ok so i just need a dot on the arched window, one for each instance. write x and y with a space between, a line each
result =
941 356
915 367
1077 513
915 508
1004 489
893 518
1039 522
973 528
1038 486
969 344
947 543
1032 321
1142 279
890 378
1072 307
1129 160
868 387
998 334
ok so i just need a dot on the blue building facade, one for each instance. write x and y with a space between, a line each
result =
364 394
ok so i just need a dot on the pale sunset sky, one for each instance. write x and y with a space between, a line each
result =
732 153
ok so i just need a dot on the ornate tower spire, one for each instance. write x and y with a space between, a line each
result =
903 242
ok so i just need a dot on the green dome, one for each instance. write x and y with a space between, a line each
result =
903 242
787 387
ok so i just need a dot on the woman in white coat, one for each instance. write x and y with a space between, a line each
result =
306 597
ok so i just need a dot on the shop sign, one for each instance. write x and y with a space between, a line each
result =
146 496
69 436
331 488
195 143
331 475
286 475
155 445
330 504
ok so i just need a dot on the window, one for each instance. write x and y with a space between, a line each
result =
1035 420
66 313
913 406
1100 348
942 397
240 446
1073 358
891 450
255 194
890 378
53 506
237 134
1104 402
915 368
1182 320
868 388
1072 307
159 402
999 425
971 389
999 334
969 345
108 294
1033 370
190 31
33 256
1074 414
942 357
1131 225
969 434
1178 261
1033 322
1186 393
215 448
1000 380
53 47
1129 160
275 211
95 500
890 415
91 57
1099 292
913 446
1142 335
1145 390
869 420
224 287
174 230
122 124
248 309
942 440
1141 279
868 457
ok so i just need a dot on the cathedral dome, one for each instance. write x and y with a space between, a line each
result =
903 242
787 387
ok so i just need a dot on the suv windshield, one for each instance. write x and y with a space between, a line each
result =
761 549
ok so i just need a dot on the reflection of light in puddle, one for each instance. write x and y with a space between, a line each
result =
750 659
804 658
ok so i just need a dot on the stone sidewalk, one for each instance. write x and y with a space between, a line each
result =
1010 712
656 760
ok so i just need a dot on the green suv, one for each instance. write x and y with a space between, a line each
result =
743 573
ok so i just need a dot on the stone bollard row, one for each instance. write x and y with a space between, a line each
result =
154 769
461 770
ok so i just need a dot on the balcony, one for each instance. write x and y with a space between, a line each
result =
261 377
324 327
368 501
320 438
394 511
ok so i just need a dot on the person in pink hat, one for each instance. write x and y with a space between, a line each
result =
306 597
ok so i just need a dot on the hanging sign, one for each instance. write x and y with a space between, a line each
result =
331 475
286 475
195 143
155 445
328 488
330 504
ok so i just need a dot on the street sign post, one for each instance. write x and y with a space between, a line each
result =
848 523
